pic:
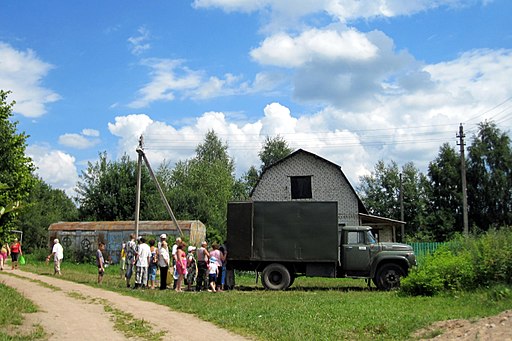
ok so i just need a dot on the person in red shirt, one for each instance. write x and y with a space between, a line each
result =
15 253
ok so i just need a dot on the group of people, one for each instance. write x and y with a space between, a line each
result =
181 265
14 250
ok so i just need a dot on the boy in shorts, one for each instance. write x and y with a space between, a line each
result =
213 271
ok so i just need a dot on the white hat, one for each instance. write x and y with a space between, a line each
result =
163 236
191 248
55 241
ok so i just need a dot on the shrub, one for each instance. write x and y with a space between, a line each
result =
465 263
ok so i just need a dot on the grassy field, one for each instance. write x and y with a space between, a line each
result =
313 308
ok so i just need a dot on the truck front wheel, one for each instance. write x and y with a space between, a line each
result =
276 277
388 277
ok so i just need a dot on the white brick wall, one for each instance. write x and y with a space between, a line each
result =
327 184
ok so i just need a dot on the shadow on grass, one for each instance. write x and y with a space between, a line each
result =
309 288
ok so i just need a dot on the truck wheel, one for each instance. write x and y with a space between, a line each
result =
388 277
276 277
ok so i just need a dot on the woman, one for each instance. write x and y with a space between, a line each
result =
181 266
163 262
15 253
4 253
191 267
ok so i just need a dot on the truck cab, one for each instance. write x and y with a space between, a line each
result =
361 256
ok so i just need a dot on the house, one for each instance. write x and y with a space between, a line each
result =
303 175
82 238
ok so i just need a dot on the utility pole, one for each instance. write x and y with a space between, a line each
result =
137 195
402 231
461 136
142 156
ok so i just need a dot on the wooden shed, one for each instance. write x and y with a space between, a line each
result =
83 237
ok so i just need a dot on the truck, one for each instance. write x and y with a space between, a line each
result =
284 240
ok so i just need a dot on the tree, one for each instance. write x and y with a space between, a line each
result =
445 194
107 190
380 192
202 186
15 167
273 150
489 178
43 207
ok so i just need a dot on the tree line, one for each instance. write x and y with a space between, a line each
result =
200 187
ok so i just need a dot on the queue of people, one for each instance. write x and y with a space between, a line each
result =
180 267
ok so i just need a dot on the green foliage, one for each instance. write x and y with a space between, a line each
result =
489 178
465 263
273 150
200 188
380 192
43 207
15 167
106 190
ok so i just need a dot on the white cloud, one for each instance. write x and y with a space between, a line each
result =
139 43
314 45
78 141
91 132
55 167
22 73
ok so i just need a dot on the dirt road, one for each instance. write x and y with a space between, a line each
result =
71 311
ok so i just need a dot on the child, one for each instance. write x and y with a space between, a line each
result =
100 262
212 273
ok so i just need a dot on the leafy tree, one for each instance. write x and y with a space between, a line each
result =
489 178
445 194
43 207
202 186
15 167
273 150
380 192
245 185
107 190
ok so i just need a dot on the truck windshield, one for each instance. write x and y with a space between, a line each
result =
370 237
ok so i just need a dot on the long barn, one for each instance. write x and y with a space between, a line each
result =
83 237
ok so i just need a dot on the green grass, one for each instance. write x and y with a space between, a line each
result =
12 306
313 308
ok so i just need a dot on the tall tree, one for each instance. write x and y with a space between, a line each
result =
15 167
444 192
43 207
380 192
489 178
106 190
273 150
201 187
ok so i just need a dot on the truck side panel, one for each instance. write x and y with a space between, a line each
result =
240 230
295 231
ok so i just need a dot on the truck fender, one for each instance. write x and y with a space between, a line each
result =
397 259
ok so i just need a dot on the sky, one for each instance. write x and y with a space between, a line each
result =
354 81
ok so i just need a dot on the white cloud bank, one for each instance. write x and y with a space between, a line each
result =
22 73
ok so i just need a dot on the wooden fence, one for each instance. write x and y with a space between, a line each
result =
423 249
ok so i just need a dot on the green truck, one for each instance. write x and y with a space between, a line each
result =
284 240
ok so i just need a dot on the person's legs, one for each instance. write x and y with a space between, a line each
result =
163 277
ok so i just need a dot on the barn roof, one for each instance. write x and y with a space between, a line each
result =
360 204
123 225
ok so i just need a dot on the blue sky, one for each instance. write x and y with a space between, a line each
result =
354 81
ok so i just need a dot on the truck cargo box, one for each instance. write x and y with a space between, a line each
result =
283 231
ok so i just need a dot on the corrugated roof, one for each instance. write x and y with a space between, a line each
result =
122 225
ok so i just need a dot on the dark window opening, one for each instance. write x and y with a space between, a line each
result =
301 187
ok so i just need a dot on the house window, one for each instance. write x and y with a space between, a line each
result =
301 187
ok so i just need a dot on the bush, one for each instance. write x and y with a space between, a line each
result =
465 263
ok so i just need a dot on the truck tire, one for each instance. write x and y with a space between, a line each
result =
388 276
276 277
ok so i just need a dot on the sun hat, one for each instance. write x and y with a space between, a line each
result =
163 236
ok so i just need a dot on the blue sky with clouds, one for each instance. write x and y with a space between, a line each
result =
354 81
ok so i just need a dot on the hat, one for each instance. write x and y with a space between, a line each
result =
55 241
213 260
163 236
204 243
191 248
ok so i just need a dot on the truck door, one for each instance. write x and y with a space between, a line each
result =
356 253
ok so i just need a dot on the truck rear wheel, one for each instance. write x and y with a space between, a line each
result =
276 277
388 277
